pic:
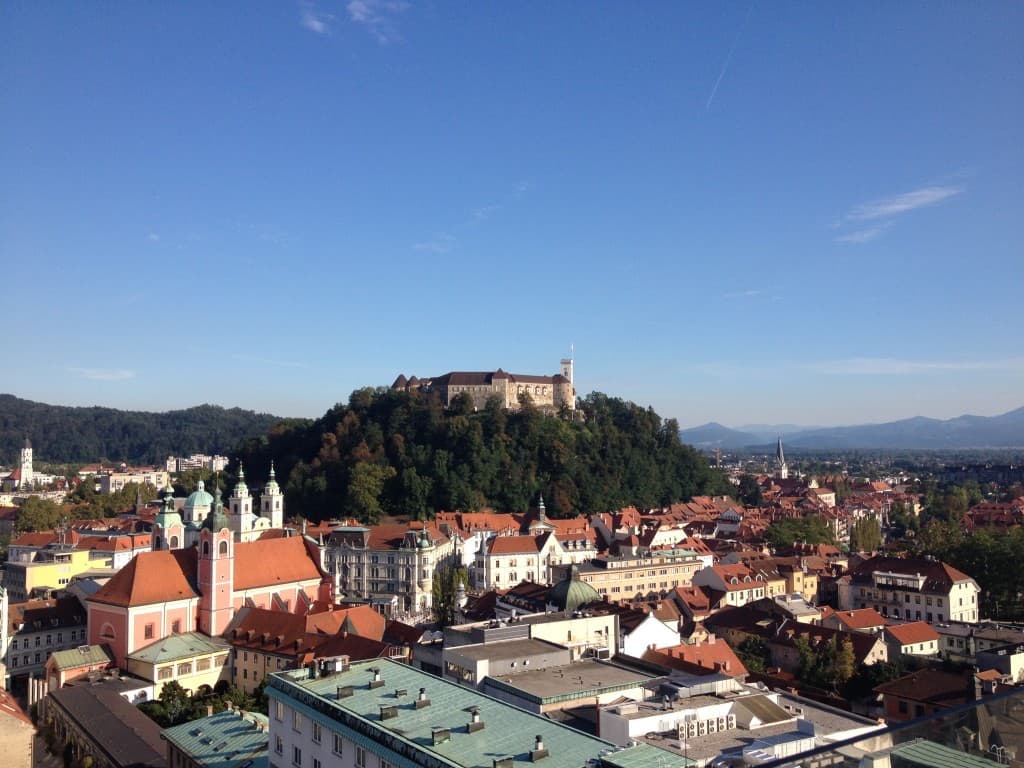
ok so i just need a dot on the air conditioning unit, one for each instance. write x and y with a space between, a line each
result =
712 725
722 723
702 728
731 721
603 653
691 729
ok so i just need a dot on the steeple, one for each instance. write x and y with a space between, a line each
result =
241 489
216 519
272 501
541 511
780 457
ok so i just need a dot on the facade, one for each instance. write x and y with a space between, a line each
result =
37 628
388 564
382 715
555 392
917 638
64 666
911 589
112 481
739 583
507 560
191 659
647 574
175 464
52 569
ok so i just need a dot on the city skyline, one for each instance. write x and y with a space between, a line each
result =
741 214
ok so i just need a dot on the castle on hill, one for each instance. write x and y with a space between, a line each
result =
545 391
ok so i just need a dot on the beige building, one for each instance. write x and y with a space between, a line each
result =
112 481
545 391
633 577
192 659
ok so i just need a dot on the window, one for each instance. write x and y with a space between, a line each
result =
279 710
49 639
317 732
38 639
14 645
165 673
316 762
296 756
14 661
185 668
279 745
60 638
202 665
360 757
176 626
148 632
297 720
338 742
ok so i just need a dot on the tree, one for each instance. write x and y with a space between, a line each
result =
754 654
443 590
175 702
38 514
866 534
750 491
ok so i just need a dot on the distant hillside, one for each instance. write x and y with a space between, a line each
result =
1005 431
714 435
61 434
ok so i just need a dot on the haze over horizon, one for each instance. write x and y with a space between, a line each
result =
736 213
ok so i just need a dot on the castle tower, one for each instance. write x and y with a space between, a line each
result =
565 389
780 457
216 570
241 507
26 465
168 529
272 501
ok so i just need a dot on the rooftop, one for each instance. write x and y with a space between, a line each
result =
224 740
508 731
582 678
175 647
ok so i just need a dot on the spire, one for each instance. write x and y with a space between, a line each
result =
169 499
216 519
779 454
272 486
241 489
541 511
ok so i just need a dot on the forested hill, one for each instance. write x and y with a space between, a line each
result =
389 452
66 435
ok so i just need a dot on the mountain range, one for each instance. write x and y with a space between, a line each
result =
919 432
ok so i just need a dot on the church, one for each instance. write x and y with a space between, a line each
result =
203 570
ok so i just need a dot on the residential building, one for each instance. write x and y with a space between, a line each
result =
191 659
857 620
916 638
113 480
176 464
911 589
925 692
648 574
738 582
380 713
37 628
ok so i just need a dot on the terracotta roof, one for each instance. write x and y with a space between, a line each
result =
10 708
361 620
152 577
938 575
709 657
516 545
944 689
267 562
861 618
914 632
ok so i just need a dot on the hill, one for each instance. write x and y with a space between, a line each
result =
396 453
714 435
66 435
1004 431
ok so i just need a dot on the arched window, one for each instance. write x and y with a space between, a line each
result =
223 548
107 632
174 542
206 547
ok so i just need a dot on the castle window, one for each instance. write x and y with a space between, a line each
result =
223 548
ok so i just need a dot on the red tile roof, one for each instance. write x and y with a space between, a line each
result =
712 656
151 577
914 632
267 562
861 618
516 545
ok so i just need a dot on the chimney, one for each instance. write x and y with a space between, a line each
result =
377 681
209 710
539 752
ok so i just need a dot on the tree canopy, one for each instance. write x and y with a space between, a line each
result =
398 453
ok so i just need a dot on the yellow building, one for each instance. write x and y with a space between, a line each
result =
52 569
193 659
630 577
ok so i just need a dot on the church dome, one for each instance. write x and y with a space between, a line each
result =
571 592
199 497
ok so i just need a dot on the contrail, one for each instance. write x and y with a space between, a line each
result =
728 58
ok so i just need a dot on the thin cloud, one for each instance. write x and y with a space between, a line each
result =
102 374
861 235
440 244
908 201
153 237
378 16
314 21
484 212
744 294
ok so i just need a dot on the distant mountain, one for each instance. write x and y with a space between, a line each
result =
1005 431
767 433
714 435
65 435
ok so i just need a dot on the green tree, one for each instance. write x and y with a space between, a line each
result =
445 585
754 654
38 514
750 491
866 534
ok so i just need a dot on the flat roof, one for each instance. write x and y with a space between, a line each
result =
508 730
505 649
581 678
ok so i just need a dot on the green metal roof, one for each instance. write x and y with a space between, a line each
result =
176 647
508 731
224 740
929 754
82 656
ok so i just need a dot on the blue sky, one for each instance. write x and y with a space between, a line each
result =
766 212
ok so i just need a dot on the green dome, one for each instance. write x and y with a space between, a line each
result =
571 592
199 497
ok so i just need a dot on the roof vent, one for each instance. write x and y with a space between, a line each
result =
389 711
440 734
539 752
400 692
377 681
422 700
344 691
475 724
503 762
